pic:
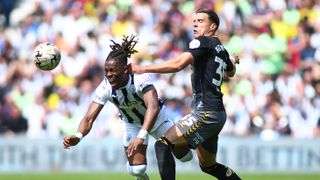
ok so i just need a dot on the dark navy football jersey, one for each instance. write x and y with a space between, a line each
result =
211 60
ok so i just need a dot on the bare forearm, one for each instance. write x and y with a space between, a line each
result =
85 126
150 118
88 120
171 65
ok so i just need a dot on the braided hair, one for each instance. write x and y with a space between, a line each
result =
124 51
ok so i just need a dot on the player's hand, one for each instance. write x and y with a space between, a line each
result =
135 69
134 145
69 141
235 59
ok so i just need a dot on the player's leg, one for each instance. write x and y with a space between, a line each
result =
182 134
206 153
182 153
164 148
137 163
165 159
207 150
201 129
166 163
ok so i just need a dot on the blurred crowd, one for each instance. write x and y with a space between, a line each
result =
275 93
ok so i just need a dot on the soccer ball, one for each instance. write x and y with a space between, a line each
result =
46 56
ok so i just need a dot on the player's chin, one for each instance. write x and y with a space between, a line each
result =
114 85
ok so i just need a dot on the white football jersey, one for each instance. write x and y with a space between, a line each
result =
128 99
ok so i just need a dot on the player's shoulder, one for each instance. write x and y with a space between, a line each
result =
203 42
104 85
141 80
141 77
210 39
103 92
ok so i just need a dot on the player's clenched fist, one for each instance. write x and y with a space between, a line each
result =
69 141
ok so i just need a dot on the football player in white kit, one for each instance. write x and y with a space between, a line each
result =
140 109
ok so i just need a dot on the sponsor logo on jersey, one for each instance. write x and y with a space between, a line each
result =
145 82
194 44
219 48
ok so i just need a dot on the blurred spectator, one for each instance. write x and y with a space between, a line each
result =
6 7
13 123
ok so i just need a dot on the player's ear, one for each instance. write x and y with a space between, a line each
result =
213 27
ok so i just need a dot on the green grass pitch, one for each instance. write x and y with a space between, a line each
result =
153 176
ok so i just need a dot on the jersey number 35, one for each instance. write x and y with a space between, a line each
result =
219 71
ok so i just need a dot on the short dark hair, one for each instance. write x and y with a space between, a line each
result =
213 17
121 52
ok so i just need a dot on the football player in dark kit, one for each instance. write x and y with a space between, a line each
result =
210 62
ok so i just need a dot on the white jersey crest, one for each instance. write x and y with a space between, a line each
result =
194 44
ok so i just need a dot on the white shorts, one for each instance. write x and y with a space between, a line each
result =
161 126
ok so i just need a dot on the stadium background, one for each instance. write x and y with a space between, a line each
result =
273 102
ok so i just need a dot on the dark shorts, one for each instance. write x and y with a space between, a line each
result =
202 128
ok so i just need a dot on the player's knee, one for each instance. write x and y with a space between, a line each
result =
137 170
187 157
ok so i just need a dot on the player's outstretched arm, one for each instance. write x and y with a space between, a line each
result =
84 126
170 66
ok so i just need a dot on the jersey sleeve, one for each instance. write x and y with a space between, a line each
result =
144 82
101 93
228 62
197 47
